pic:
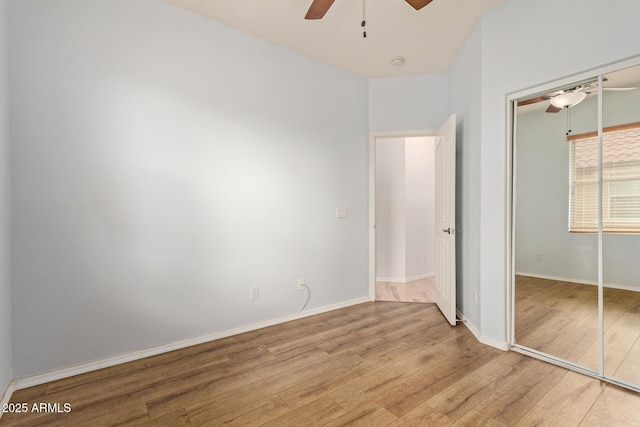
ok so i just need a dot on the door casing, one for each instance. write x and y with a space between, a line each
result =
372 193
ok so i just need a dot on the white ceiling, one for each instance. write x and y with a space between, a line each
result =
428 39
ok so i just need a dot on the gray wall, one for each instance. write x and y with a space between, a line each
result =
413 102
420 207
164 164
391 198
6 374
542 197
515 57
464 81
405 212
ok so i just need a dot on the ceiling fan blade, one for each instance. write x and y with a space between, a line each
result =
318 8
533 100
419 4
553 109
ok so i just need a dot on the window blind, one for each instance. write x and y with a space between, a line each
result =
620 181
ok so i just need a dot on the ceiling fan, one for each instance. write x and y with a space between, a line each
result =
319 7
570 97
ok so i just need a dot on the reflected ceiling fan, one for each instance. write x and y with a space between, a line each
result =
319 7
570 97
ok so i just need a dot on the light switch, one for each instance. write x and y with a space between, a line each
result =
342 213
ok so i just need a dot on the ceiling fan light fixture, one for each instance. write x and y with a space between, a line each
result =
568 99
397 61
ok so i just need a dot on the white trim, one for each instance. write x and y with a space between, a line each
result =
579 281
500 345
512 127
572 366
6 397
404 279
70 371
372 217
421 276
575 78
403 133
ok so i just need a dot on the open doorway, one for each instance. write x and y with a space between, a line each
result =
405 218
443 145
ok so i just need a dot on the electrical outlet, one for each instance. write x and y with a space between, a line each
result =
424 257
475 296
301 284
254 293
538 257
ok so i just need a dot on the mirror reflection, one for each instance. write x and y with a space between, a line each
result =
556 303
621 220
557 218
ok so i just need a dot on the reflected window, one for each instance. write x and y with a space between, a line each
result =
620 176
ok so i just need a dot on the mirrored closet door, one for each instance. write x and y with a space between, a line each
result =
576 224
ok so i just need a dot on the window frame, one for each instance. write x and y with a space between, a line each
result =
610 225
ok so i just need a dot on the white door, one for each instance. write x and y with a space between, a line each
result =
446 219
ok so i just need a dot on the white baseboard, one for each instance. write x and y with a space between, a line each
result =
70 371
404 279
579 281
6 397
500 345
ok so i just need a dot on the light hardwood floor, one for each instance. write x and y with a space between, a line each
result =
561 319
374 364
422 290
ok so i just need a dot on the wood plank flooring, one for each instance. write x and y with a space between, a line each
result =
374 364
422 290
561 319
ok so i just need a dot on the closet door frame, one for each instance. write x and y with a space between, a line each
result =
512 100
